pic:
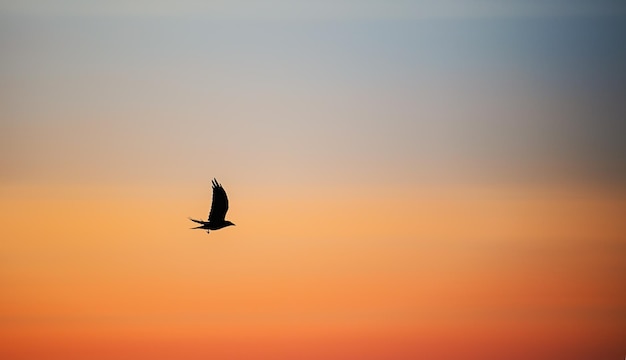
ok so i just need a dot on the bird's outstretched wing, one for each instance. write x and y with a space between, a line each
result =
219 207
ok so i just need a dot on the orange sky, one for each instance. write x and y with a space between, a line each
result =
436 272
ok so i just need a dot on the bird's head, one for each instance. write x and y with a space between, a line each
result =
228 223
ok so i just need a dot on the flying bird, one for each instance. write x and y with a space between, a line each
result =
219 207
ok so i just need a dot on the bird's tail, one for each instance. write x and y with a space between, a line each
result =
197 221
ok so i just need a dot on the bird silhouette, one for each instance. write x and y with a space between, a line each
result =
219 207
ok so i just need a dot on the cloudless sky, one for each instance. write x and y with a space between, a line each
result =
409 179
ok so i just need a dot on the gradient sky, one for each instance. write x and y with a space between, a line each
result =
409 179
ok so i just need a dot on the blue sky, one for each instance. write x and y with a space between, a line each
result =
413 89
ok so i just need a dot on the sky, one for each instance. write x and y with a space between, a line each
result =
409 179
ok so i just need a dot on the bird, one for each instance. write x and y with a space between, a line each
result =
219 207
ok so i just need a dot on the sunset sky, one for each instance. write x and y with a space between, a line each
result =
409 179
